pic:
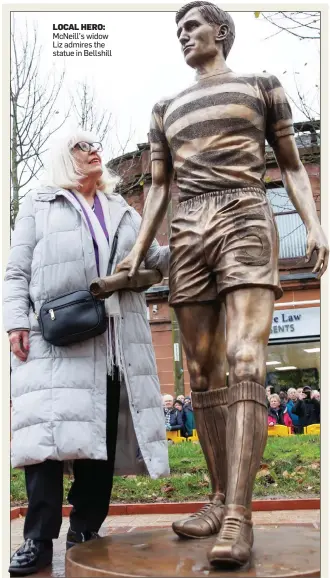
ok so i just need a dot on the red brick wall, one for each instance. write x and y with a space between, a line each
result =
160 324
273 174
135 199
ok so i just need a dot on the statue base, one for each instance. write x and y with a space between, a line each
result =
279 551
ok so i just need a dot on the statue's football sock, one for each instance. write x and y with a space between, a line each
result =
246 440
210 411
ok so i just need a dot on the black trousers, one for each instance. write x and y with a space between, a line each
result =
89 494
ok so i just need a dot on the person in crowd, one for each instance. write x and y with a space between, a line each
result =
180 398
167 401
188 417
316 394
66 399
299 391
178 404
277 412
173 417
292 398
307 408
283 396
270 389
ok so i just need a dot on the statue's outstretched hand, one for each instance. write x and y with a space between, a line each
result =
316 241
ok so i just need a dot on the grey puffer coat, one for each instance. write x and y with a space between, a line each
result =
59 393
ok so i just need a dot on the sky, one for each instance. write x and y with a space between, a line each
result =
147 64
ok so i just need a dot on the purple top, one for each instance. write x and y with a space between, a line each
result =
99 214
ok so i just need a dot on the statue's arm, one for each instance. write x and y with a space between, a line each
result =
298 187
153 214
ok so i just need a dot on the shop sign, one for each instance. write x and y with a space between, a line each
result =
295 323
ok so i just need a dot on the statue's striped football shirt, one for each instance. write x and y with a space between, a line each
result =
215 131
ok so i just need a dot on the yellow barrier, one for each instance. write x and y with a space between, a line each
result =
313 429
275 430
175 437
279 430
194 437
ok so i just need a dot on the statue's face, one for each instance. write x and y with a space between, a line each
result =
197 38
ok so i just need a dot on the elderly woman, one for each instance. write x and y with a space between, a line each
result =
95 402
292 398
277 412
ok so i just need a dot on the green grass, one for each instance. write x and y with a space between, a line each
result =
290 468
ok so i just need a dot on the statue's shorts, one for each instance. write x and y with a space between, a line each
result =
221 241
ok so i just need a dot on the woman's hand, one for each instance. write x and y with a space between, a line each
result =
19 343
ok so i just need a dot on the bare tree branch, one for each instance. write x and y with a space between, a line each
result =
303 25
33 111
90 115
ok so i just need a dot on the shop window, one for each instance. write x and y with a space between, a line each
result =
293 365
291 229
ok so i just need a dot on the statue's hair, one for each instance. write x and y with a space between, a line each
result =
61 170
213 15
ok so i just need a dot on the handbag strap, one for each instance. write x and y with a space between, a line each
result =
32 305
33 308
112 256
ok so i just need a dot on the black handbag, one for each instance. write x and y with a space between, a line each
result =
73 317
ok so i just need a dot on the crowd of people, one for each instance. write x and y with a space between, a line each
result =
295 408
179 415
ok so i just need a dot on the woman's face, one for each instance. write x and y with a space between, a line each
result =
89 162
274 403
292 394
178 406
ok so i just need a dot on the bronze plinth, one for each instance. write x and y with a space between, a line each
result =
278 553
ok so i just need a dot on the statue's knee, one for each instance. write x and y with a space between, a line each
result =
244 361
198 376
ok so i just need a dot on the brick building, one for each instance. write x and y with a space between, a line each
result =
294 345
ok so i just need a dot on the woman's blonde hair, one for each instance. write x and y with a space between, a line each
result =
62 170
275 396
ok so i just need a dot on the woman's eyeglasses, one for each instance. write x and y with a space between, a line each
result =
87 147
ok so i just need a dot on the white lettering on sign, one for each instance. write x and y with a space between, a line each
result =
176 352
295 323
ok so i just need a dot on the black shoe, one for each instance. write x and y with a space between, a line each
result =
32 556
74 538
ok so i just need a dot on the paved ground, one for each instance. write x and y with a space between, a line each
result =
119 524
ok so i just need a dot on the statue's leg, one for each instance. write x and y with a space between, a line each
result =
203 335
249 316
